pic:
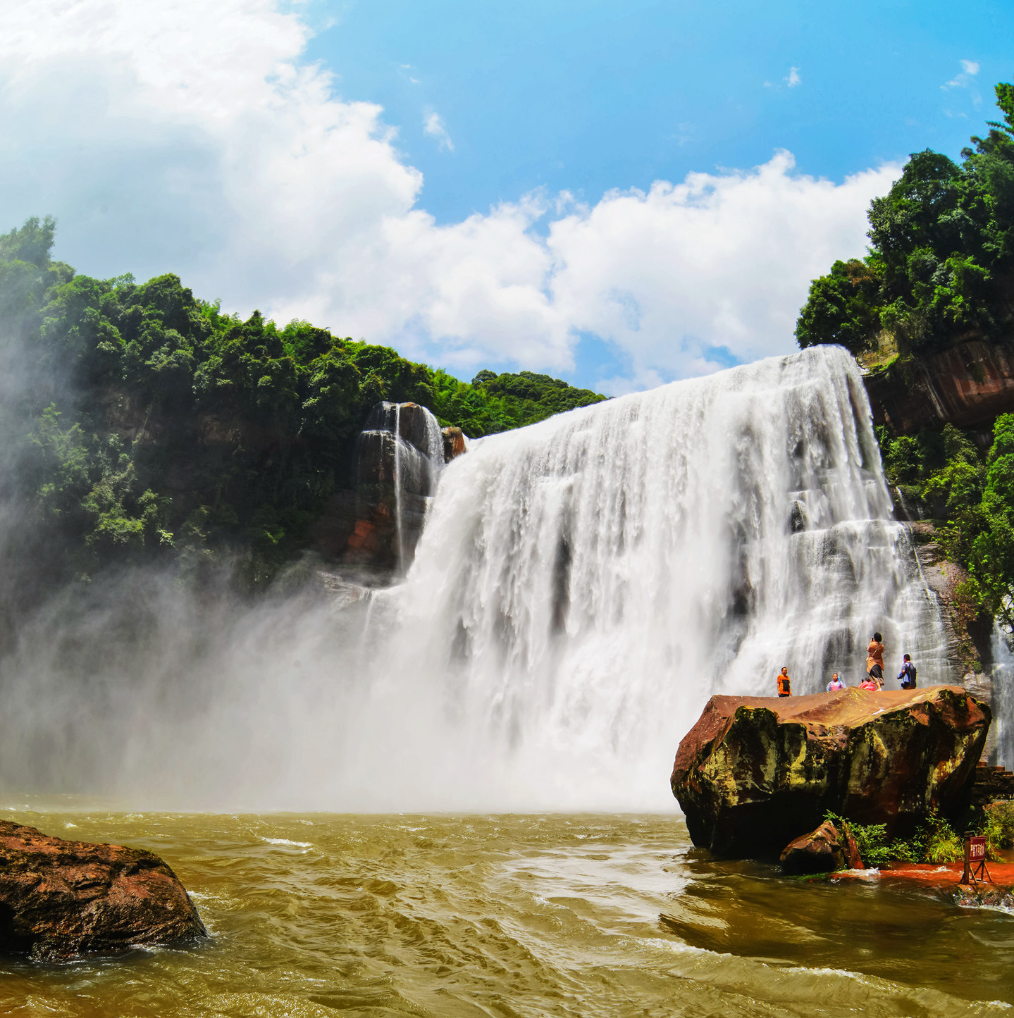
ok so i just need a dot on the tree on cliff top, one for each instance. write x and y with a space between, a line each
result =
940 260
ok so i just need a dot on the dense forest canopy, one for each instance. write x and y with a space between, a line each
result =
939 272
140 421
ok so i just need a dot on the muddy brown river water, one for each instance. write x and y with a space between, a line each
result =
577 915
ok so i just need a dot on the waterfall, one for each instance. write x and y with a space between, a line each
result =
1002 676
585 584
399 460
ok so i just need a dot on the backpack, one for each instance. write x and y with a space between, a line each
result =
908 682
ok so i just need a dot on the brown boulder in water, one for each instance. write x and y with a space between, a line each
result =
60 899
820 851
756 772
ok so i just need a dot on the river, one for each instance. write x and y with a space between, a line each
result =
512 915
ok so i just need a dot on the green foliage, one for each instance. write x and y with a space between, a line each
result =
972 498
842 307
934 841
140 421
495 403
941 255
938 841
998 827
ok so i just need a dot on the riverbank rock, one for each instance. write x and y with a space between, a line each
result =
60 899
755 773
820 851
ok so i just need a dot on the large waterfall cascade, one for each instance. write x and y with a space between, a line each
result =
585 584
581 587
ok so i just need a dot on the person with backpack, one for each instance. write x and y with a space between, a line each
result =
908 673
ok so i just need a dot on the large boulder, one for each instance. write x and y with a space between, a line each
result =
756 772
60 899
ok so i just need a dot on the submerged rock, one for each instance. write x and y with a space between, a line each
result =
756 772
820 851
60 899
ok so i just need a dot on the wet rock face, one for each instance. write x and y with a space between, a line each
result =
60 899
820 851
756 772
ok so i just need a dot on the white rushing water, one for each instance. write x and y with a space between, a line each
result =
585 584
581 588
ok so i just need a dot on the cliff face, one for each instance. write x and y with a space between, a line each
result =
967 386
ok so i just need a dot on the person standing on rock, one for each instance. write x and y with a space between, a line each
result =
784 682
875 659
835 684
907 673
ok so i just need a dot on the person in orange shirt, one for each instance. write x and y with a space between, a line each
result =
784 682
875 659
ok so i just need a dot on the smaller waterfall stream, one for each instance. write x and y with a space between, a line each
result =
400 459
399 522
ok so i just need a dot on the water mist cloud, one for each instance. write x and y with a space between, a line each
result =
196 138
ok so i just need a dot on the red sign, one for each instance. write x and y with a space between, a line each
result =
976 848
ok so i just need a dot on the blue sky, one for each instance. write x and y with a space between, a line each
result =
589 96
619 194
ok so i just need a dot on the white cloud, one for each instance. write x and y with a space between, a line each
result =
969 68
433 125
193 137
793 79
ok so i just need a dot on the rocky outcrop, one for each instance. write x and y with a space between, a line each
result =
967 385
454 443
60 899
756 772
820 851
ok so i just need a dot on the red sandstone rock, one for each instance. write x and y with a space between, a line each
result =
454 443
820 851
966 385
853 860
60 899
756 772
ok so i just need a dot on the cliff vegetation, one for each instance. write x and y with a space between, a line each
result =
940 274
141 423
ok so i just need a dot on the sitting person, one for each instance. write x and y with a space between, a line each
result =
869 683
835 684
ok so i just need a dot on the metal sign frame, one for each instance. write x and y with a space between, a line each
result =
975 862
